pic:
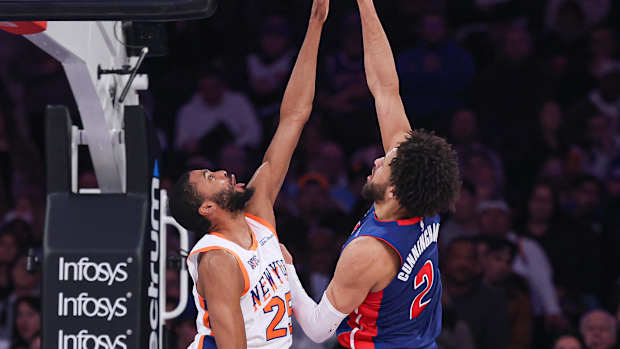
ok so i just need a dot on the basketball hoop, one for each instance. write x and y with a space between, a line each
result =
23 28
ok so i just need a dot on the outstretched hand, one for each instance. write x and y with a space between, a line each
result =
320 9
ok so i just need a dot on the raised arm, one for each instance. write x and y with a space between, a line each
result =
382 78
294 112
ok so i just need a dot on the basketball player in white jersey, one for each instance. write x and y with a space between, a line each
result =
241 286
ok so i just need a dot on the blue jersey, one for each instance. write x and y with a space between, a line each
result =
407 313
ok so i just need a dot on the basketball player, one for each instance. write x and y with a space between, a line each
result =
241 288
387 278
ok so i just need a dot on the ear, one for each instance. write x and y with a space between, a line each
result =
390 192
207 209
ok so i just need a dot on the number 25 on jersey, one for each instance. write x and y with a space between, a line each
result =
278 306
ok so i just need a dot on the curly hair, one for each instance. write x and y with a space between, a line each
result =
425 174
184 204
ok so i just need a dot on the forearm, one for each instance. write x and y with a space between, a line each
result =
379 63
318 321
299 94
382 78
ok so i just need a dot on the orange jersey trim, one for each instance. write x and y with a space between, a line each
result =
263 222
246 277
254 242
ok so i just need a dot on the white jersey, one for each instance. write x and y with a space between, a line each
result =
266 299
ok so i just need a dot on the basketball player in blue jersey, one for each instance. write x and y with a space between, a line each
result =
386 290
241 290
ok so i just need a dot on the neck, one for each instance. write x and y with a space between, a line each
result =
389 210
235 228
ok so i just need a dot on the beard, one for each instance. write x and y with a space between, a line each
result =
374 191
233 201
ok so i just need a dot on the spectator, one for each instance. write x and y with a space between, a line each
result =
497 272
435 74
464 220
531 263
603 100
465 139
455 333
27 321
330 162
547 142
9 248
599 149
543 224
593 279
598 328
484 309
486 175
269 67
506 94
567 342
216 111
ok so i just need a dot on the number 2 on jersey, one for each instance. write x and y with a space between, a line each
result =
276 302
425 274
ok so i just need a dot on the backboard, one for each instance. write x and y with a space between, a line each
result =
67 10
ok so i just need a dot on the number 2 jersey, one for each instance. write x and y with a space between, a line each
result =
265 302
407 313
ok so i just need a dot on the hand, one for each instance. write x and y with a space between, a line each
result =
288 259
320 9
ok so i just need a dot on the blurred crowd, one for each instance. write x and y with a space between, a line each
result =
527 91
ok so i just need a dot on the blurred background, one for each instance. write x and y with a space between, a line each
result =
527 91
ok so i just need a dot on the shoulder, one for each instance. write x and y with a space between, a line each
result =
366 252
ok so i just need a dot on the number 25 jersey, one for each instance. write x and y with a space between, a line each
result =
266 299
407 313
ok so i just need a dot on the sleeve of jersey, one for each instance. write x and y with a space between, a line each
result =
318 321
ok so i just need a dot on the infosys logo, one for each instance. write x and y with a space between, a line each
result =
92 307
85 340
85 270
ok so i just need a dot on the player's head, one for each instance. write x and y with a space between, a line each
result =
199 195
421 174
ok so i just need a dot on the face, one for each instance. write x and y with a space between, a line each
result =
461 264
28 320
495 221
598 332
211 89
219 188
517 45
313 199
465 206
464 126
497 266
8 248
567 342
550 116
587 196
541 203
274 45
378 182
